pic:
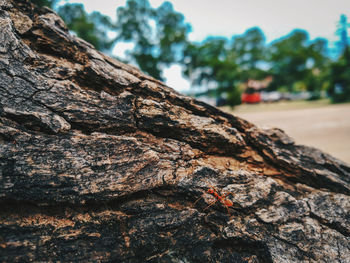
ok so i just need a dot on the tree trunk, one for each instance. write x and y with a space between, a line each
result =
101 163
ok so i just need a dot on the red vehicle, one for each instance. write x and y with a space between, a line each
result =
253 88
251 96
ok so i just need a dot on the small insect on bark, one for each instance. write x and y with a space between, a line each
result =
219 198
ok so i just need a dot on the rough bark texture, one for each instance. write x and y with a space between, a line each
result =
101 163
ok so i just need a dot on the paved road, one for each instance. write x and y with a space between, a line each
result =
326 128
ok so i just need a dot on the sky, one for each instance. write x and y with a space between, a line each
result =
276 18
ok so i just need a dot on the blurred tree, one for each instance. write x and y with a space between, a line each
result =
318 62
288 59
172 33
248 50
224 65
297 62
202 60
208 64
318 53
339 88
92 27
159 34
342 31
48 3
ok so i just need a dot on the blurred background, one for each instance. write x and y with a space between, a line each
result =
275 63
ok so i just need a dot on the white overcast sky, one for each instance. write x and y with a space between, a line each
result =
276 18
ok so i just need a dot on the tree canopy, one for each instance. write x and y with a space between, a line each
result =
92 27
160 39
159 35
48 3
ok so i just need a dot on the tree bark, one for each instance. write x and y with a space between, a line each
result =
101 163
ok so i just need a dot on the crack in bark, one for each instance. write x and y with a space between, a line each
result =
246 248
307 254
334 225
